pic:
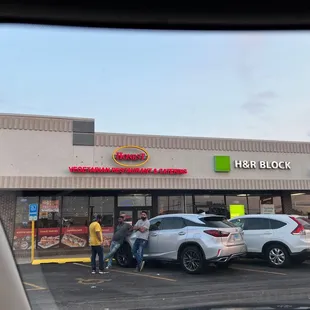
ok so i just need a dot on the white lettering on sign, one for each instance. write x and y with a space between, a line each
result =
245 164
271 165
282 165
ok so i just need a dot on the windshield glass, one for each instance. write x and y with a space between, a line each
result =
103 130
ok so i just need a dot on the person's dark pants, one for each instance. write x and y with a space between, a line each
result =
97 250
138 249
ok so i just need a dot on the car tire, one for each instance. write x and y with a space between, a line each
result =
124 257
278 256
192 260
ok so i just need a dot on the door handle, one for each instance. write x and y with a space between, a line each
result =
267 233
154 234
181 233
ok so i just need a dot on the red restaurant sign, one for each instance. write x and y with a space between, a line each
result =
130 158
77 169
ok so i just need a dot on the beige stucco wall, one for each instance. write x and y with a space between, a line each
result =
35 152
49 154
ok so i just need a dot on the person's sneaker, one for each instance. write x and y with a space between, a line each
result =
101 272
93 272
137 269
108 267
142 266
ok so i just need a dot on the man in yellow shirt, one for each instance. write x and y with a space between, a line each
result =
96 243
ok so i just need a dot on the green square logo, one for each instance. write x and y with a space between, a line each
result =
221 163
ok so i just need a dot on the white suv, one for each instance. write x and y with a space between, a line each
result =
279 238
191 239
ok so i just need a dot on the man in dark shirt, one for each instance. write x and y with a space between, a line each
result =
122 231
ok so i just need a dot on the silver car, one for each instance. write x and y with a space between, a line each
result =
193 240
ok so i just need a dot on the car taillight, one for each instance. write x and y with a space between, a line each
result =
299 230
217 233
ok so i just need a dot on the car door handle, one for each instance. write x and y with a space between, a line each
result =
267 233
153 234
181 233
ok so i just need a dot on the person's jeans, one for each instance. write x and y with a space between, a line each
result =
97 250
113 248
138 249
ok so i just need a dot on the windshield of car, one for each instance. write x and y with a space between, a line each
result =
101 127
216 222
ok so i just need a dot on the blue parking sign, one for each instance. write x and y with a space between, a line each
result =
33 212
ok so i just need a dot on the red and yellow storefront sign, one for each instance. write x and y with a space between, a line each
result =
131 158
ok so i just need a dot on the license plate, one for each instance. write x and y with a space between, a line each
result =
236 237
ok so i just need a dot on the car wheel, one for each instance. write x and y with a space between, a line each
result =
278 256
192 260
124 257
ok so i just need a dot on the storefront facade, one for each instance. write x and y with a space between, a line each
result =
72 173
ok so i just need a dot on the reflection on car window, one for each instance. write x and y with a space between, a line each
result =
275 224
238 223
172 223
256 224
216 222
155 224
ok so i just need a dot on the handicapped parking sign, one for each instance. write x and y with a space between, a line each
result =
33 212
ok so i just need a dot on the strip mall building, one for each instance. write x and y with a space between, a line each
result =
72 172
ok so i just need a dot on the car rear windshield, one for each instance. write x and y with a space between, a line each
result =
216 222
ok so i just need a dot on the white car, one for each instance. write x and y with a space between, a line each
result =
191 239
279 238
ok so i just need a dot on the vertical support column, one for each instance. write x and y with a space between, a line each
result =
287 203
116 211
154 205
7 212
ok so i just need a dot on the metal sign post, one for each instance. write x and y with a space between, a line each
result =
33 216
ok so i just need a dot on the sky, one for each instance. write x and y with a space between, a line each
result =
252 85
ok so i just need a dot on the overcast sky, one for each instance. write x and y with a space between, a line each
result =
212 84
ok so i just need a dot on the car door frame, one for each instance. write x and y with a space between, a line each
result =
153 238
256 238
164 239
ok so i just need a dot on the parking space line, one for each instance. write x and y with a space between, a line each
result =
260 271
34 287
134 274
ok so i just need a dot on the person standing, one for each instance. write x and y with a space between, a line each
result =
122 231
96 243
142 229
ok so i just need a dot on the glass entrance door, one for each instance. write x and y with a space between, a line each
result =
132 215
131 206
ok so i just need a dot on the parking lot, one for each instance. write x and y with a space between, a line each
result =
71 286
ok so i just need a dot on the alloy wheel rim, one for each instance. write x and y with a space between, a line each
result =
122 258
191 260
277 256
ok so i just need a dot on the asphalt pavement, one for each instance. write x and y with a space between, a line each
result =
72 286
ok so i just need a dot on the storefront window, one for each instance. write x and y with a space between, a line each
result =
22 232
135 201
301 203
105 207
237 205
74 232
49 223
210 204
170 204
253 204
264 204
189 204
